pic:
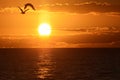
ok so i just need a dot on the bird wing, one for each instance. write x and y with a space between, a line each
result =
20 9
29 4
26 10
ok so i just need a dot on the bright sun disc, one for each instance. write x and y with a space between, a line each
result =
44 29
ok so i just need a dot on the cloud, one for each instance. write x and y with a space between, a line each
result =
103 38
22 43
113 13
65 45
84 7
91 7
9 10
94 3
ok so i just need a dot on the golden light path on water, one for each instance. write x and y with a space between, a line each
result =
45 65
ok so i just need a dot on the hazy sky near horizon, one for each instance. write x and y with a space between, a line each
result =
59 13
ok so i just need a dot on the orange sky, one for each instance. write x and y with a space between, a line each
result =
75 23
60 14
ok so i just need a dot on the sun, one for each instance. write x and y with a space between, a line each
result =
44 29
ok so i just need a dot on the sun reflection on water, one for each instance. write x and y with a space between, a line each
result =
45 64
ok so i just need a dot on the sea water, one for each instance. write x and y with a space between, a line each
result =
60 64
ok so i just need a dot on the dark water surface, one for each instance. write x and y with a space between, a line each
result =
60 64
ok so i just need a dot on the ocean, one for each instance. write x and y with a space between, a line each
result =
60 64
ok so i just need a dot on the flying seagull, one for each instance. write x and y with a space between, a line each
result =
23 11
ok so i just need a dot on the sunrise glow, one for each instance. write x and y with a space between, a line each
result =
44 29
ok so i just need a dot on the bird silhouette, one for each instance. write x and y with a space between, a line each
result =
23 11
